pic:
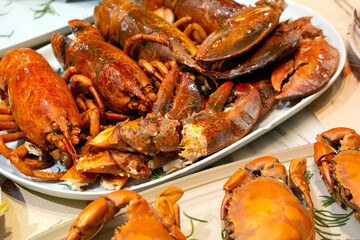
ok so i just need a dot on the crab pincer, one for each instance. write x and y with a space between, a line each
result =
160 221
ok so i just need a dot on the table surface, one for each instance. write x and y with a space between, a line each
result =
32 212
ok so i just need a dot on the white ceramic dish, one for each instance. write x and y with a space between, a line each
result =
280 112
17 20
354 36
206 186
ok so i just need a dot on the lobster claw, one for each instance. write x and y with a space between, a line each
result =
241 32
210 130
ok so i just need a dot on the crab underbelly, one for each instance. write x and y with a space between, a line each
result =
265 207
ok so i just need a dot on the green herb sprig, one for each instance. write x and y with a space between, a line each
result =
192 224
326 201
155 175
325 218
224 234
67 185
308 175
8 35
46 9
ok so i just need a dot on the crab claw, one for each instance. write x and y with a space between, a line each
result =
310 68
241 32
207 132
98 212
298 181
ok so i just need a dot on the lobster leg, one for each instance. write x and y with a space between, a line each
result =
4 109
21 151
143 37
8 126
149 69
91 117
6 118
86 82
11 137
28 171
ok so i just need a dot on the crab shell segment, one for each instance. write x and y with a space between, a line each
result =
340 165
241 32
248 213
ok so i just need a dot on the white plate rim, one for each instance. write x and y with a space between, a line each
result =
47 188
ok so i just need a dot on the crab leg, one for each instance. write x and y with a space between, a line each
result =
297 170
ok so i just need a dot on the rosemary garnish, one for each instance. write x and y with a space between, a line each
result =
58 70
47 9
327 201
155 175
8 35
64 184
308 175
325 218
322 233
192 224
224 234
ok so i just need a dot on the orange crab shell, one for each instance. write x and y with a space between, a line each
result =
265 207
142 224
347 174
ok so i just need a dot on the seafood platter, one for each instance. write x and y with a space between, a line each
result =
128 108
141 100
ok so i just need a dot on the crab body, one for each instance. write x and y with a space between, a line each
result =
262 200
337 156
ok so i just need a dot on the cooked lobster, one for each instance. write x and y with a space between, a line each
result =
38 102
114 79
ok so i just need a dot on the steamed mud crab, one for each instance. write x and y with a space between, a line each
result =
262 200
337 155
160 221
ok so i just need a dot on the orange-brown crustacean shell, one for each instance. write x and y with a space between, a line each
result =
265 207
346 170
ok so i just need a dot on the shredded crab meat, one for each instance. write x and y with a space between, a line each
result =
194 143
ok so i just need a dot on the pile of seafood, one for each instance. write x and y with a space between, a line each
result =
157 85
